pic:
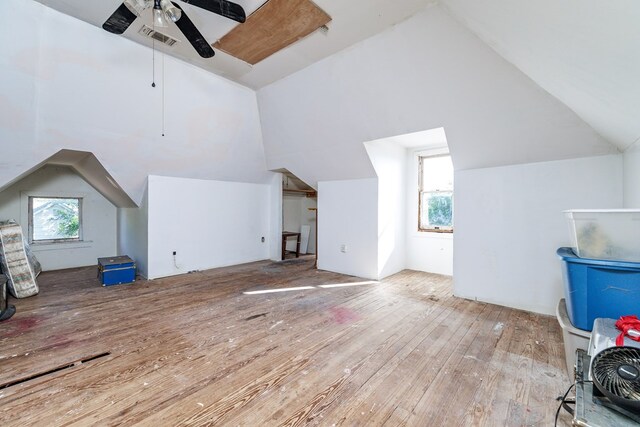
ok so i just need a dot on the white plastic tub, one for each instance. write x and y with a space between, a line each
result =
573 338
612 234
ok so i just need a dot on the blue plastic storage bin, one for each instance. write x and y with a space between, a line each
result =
599 288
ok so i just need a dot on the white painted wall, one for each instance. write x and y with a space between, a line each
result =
509 223
430 252
69 84
424 73
295 214
99 217
632 177
208 223
275 218
347 215
570 48
133 234
389 162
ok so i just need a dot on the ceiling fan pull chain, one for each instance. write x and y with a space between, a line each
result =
153 58
163 94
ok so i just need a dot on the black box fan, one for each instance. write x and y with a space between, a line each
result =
615 370
616 374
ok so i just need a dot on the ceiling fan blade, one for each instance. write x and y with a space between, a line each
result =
197 40
120 20
221 7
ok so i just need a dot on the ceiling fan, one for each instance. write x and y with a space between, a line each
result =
166 10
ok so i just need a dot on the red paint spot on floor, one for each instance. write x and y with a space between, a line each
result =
18 326
343 315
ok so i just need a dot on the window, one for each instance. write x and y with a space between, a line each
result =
435 187
55 219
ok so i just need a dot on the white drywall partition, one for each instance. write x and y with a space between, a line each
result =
430 252
207 223
348 218
133 234
389 162
509 224
68 84
275 217
632 177
99 217
424 73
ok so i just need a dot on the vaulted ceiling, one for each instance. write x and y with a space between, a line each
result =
351 21
586 53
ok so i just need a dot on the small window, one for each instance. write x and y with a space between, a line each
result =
55 219
435 188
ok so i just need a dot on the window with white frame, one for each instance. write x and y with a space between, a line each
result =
435 188
55 219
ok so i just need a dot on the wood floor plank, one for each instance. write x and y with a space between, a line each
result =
194 350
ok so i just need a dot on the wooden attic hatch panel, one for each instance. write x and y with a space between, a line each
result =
274 26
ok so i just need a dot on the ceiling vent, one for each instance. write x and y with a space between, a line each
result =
157 36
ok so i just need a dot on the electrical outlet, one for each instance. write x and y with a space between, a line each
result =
343 248
262 239
174 253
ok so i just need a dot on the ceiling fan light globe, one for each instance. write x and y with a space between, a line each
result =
136 6
171 12
174 14
159 19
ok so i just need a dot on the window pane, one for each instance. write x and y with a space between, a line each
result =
437 210
437 173
55 218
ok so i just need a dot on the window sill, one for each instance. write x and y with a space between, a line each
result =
434 235
55 246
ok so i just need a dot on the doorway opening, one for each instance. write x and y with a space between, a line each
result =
299 217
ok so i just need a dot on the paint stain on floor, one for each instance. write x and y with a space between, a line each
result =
342 315
20 325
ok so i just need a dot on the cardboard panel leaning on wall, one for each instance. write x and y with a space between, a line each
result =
509 224
208 223
348 215
99 217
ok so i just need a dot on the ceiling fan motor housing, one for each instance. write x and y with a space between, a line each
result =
167 11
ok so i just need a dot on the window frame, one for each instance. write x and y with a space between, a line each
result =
33 241
435 229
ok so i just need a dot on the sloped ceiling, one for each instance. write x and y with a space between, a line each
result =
352 21
586 53
90 169
68 85
428 72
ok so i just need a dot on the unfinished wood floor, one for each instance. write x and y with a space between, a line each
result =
193 350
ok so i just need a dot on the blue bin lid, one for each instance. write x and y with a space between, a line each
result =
567 254
115 260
